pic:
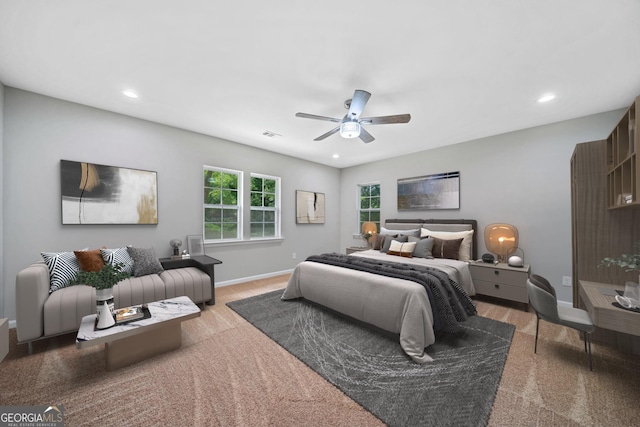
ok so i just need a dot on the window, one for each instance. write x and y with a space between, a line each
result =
222 204
265 206
369 204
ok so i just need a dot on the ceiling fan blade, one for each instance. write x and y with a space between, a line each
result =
313 116
331 132
383 120
359 100
365 136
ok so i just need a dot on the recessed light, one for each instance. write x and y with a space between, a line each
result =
546 97
130 94
336 156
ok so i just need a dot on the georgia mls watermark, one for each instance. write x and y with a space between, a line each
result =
32 416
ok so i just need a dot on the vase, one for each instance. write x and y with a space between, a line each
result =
104 305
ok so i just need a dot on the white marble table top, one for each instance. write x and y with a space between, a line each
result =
168 310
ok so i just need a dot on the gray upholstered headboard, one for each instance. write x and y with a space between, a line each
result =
438 225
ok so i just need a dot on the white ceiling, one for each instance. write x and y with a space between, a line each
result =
234 69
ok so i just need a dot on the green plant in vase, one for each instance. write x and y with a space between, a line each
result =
630 262
106 278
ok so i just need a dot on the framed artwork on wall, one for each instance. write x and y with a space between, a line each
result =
309 207
195 245
100 194
437 191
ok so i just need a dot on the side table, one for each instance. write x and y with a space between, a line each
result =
202 262
501 281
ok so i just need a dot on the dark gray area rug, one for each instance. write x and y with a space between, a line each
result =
369 366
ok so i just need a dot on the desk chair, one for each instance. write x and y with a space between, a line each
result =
542 298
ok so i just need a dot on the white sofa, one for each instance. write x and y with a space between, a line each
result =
41 314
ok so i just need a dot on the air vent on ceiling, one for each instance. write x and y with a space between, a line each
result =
270 134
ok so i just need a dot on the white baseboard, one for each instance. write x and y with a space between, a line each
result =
565 304
251 278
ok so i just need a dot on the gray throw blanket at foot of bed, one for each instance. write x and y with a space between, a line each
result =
449 302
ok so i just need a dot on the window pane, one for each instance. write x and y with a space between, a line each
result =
375 203
269 216
212 231
365 191
229 197
256 184
364 216
374 216
269 230
365 203
256 199
230 181
212 215
229 230
269 200
211 178
211 197
229 215
256 230
375 190
270 186
257 216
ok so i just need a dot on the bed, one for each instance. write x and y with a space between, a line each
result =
388 300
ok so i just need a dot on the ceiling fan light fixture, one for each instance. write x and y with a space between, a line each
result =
350 129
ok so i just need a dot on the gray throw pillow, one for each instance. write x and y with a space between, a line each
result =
145 261
423 247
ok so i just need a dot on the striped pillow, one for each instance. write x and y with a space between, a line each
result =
63 267
119 255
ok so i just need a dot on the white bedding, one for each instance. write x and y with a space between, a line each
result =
395 305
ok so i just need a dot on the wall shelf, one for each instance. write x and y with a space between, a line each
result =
623 179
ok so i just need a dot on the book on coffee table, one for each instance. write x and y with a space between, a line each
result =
129 313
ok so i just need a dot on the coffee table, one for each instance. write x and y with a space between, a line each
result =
140 339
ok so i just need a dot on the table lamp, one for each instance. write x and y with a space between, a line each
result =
369 229
501 239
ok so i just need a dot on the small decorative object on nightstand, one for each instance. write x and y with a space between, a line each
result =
501 281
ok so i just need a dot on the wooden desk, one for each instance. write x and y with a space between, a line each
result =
609 318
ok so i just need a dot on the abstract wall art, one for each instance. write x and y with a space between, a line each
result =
437 191
309 207
99 194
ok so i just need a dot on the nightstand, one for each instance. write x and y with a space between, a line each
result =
501 281
353 249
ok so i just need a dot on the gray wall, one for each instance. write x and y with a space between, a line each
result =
40 131
2 281
521 178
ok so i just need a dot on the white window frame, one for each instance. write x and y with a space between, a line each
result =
276 210
359 210
238 207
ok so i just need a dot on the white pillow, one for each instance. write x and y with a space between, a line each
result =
465 246
402 249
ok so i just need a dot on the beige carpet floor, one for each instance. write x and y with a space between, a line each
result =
227 373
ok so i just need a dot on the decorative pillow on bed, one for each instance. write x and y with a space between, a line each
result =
402 249
145 261
467 236
423 248
446 248
378 242
90 260
389 239
412 232
119 255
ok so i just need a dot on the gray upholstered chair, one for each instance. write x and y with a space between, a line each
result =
542 298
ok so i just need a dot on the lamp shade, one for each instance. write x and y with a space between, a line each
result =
350 129
369 229
501 239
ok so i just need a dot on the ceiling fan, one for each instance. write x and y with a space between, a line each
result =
351 123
